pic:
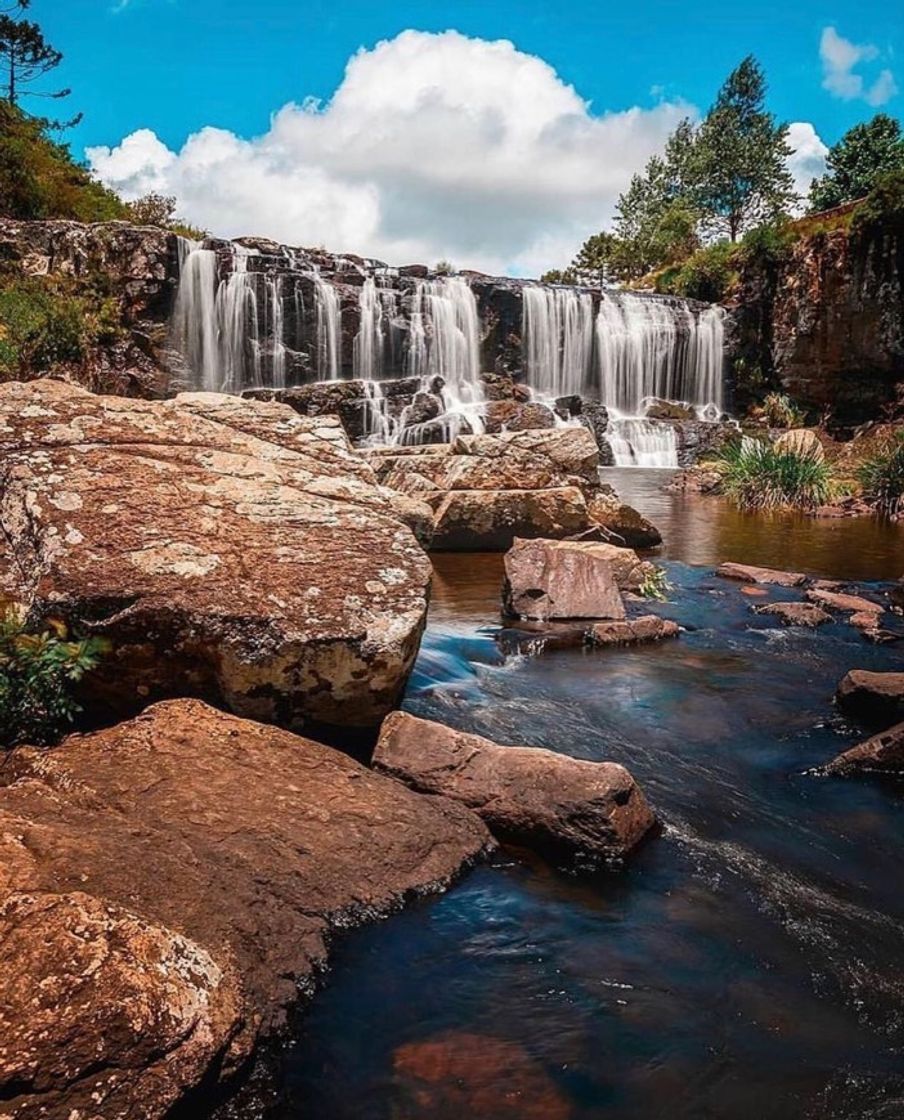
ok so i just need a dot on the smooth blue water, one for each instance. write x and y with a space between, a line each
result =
748 964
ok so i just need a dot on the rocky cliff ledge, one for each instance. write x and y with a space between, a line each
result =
825 321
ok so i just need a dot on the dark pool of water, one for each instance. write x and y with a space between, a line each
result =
748 964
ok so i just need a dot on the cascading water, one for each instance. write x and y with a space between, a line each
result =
326 300
558 340
637 442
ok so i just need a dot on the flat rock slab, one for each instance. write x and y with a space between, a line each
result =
526 795
490 520
746 573
228 549
795 614
167 884
876 699
547 579
632 631
837 602
883 754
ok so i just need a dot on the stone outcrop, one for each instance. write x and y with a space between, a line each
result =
550 579
875 699
826 322
228 549
486 490
526 795
795 614
748 573
632 631
169 885
882 754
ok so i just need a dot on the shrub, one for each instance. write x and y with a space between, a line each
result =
757 475
37 674
779 411
882 476
656 585
706 275
767 244
884 202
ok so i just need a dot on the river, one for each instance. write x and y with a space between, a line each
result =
747 964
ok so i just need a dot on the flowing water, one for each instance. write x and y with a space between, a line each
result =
747 964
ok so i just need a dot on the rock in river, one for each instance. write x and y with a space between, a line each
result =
166 886
561 579
876 699
526 795
883 754
747 573
632 631
229 549
795 614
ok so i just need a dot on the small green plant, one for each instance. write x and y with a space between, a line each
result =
709 274
37 672
758 475
445 268
779 411
655 584
882 477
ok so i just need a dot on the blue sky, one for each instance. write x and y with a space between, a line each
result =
176 67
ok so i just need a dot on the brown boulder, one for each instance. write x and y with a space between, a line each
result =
547 579
877 699
266 572
853 603
632 631
748 573
623 521
513 416
168 884
570 451
801 441
883 753
490 520
795 614
526 795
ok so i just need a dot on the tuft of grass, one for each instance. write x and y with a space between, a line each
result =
38 670
757 475
881 477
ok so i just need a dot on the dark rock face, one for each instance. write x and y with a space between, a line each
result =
169 885
228 549
525 795
827 323
875 699
883 754
547 579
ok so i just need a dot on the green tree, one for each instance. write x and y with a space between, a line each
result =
25 57
856 162
739 172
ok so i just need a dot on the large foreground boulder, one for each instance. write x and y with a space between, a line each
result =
166 888
875 699
882 754
527 796
228 549
549 579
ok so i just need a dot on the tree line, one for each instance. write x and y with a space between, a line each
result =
723 178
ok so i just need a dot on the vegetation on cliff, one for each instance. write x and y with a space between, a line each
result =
857 162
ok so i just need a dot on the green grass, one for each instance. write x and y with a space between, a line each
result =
757 476
881 477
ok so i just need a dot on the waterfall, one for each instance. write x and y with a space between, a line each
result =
326 300
367 355
444 335
558 340
642 443
194 316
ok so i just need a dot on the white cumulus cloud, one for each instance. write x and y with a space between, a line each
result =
808 158
840 57
433 146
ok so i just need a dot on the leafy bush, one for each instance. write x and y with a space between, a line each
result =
706 275
40 179
767 244
779 411
160 210
882 477
37 673
884 202
656 585
757 475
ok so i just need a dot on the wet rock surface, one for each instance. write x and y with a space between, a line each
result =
169 885
883 754
795 614
227 549
632 631
748 573
526 795
874 699
547 579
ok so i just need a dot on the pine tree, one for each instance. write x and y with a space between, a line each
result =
855 163
739 162
25 57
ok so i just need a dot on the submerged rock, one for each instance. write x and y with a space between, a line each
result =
632 631
748 573
228 549
795 614
169 884
526 795
876 699
548 579
883 753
